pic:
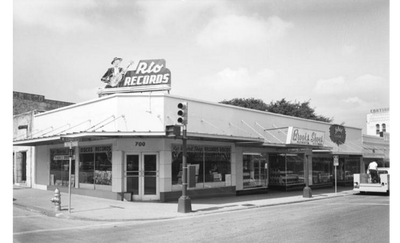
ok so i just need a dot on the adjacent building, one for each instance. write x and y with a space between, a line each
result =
25 107
377 140
378 122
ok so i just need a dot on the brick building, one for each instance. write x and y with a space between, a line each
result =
24 102
25 106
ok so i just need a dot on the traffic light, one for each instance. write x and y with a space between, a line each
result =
183 113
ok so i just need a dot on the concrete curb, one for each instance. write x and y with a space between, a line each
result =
195 213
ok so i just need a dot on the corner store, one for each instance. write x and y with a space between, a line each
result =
123 148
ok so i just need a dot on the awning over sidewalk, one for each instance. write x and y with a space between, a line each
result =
87 136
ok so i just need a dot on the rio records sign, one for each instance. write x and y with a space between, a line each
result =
148 73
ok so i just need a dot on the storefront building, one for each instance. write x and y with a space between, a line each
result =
376 148
123 151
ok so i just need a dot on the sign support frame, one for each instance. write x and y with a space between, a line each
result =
335 164
70 143
69 178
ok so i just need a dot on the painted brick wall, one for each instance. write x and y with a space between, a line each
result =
24 102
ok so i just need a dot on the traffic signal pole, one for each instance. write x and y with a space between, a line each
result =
184 202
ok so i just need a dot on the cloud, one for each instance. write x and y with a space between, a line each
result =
233 83
176 16
241 78
60 15
366 87
242 30
355 101
348 49
330 86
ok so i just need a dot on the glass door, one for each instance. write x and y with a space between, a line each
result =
142 176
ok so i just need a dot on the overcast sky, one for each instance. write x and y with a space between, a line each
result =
334 53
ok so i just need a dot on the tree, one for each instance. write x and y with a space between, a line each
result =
297 109
251 103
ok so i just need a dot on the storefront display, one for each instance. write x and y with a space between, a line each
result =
255 170
95 166
322 171
348 166
59 167
287 170
212 165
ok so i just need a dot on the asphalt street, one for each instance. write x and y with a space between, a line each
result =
353 218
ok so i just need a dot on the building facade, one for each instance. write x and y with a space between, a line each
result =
25 107
377 148
378 122
121 149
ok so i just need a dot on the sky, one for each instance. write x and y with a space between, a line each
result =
334 54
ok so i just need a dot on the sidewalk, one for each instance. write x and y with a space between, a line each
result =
98 209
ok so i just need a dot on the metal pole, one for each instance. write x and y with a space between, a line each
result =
184 202
335 180
69 179
184 163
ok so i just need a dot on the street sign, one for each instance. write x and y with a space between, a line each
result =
71 144
335 160
335 163
66 139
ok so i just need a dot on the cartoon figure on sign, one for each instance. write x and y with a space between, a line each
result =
114 74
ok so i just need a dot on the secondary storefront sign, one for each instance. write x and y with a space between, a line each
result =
337 134
300 136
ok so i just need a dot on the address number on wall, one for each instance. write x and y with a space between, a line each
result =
140 144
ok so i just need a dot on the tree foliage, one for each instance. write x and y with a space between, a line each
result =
251 103
297 109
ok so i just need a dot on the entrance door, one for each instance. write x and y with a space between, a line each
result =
142 176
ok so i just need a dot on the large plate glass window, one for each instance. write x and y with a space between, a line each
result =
208 166
95 167
322 171
287 170
59 167
255 170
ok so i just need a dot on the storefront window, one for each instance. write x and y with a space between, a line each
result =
59 167
212 166
287 170
255 170
346 169
95 165
322 170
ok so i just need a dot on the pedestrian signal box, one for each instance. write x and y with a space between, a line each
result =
172 131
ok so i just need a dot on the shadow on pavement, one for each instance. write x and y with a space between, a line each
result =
382 194
213 208
270 195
